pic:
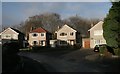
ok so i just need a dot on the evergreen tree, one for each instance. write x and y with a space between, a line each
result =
111 26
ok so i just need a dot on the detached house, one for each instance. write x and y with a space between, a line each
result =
39 37
96 35
66 35
11 34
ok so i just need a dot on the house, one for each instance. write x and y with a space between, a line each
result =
96 35
66 35
39 37
11 34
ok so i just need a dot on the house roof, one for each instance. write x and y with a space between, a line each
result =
64 26
99 23
12 29
39 30
17 31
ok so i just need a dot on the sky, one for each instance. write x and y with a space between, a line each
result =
14 13
57 0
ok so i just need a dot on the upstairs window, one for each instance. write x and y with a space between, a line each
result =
71 33
42 34
8 36
98 32
63 34
34 35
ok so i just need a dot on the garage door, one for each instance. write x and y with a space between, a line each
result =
87 44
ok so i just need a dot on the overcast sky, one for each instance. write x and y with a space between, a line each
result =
57 0
16 12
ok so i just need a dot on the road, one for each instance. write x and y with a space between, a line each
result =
82 60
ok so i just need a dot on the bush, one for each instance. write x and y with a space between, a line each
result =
102 49
10 48
77 46
10 59
117 51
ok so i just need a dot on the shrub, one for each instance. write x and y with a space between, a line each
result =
77 46
117 51
10 48
102 49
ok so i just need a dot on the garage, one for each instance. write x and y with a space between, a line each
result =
86 43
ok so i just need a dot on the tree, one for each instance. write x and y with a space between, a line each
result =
49 21
80 24
111 26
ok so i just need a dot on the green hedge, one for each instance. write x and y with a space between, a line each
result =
117 51
102 49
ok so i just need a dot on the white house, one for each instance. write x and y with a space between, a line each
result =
12 34
96 35
66 35
39 37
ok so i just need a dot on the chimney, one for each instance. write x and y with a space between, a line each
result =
58 27
92 25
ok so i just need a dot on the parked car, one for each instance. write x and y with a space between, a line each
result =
97 47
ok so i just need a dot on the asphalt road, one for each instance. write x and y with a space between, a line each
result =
84 60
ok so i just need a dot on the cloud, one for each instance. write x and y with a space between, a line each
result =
40 8
15 12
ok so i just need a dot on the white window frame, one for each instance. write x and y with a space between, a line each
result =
36 43
97 42
34 36
71 33
43 34
63 35
98 32
5 36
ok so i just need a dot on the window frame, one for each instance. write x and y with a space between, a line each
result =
34 43
71 33
63 34
98 32
42 42
42 34
33 35
63 42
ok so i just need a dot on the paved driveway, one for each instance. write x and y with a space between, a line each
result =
83 60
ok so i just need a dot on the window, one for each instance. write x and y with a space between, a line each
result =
42 34
63 34
35 42
97 42
8 36
34 35
41 42
71 33
63 42
98 32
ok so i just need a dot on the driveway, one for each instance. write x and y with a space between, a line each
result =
81 60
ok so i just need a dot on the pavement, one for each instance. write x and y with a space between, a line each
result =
81 60
30 65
